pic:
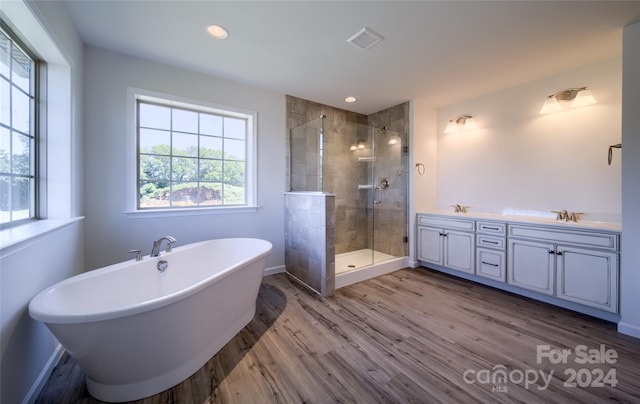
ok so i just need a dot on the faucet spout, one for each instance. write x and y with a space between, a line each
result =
155 250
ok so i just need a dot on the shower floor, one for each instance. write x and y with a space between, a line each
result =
352 260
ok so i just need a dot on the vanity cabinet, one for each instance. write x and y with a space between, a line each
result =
447 242
574 265
562 264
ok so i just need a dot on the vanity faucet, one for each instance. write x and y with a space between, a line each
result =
561 215
155 251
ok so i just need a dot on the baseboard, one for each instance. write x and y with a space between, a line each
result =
274 270
629 329
43 377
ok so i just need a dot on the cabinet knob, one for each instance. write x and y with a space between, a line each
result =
551 252
559 253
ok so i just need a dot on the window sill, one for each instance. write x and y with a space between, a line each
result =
142 214
16 238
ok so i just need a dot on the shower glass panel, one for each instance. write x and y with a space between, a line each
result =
365 168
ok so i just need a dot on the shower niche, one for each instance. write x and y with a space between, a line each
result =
347 209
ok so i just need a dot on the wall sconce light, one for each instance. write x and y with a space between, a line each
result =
572 97
357 146
463 122
394 139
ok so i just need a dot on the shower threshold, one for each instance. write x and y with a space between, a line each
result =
364 267
353 260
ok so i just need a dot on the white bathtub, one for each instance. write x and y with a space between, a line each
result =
136 331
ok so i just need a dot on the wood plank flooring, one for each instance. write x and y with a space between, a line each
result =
413 336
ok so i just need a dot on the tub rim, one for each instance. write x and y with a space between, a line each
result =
38 310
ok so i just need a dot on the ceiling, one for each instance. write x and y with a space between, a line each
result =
442 52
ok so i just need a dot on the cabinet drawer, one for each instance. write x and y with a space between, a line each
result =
491 264
584 238
490 242
444 222
496 228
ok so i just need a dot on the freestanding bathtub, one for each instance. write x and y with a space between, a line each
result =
136 331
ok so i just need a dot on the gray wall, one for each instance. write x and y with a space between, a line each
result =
110 232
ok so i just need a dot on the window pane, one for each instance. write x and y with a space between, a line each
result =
155 141
185 121
154 194
21 111
5 206
210 194
20 156
234 173
210 170
20 196
184 169
234 149
5 103
5 150
5 49
155 169
155 116
21 69
185 144
210 125
233 194
210 147
234 128
184 194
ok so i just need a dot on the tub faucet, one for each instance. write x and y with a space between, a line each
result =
155 251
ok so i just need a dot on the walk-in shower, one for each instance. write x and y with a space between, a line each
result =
365 169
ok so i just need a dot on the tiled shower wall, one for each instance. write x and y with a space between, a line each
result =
357 225
341 172
309 239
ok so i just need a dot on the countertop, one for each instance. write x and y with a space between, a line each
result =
541 218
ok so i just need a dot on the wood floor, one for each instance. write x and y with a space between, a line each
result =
414 336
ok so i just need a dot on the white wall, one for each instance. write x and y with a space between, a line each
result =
630 255
29 266
110 234
424 121
520 159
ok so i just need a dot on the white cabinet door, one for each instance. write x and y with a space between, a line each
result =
531 265
430 244
588 277
459 251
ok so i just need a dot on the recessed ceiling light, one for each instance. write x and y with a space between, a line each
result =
350 99
217 31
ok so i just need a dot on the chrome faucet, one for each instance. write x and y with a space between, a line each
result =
561 214
457 208
155 251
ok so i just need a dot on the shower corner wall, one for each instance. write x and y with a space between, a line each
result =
314 169
309 240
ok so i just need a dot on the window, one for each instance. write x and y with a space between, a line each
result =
17 131
193 156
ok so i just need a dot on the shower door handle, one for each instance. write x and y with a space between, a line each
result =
377 201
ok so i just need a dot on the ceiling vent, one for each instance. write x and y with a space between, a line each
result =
365 38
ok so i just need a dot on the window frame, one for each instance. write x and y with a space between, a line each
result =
137 95
36 114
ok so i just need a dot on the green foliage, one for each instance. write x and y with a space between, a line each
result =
209 180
